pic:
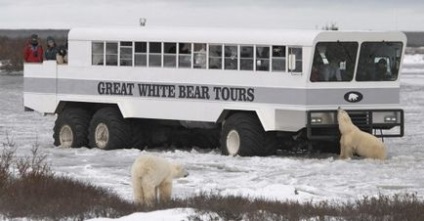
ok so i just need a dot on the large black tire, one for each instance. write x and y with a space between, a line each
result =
109 130
242 134
71 128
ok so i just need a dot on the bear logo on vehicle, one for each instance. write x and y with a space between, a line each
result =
353 97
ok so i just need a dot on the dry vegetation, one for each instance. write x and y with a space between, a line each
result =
29 188
11 51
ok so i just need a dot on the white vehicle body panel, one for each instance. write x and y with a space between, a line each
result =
280 99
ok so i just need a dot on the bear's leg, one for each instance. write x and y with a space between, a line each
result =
342 151
157 194
149 193
138 191
346 152
165 191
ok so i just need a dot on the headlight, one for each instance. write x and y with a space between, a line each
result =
316 120
390 119
386 117
323 118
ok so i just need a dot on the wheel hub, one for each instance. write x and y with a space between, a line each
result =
102 135
233 142
66 136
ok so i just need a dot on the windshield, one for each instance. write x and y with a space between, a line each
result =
379 61
334 61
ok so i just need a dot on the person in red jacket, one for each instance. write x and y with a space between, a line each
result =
33 50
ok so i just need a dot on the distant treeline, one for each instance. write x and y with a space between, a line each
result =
12 44
415 39
26 33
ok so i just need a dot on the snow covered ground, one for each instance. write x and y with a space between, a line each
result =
413 63
315 179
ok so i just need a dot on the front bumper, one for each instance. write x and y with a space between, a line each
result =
323 125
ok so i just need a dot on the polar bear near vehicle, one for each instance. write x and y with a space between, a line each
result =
355 141
152 179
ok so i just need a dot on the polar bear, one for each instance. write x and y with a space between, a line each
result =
355 141
152 178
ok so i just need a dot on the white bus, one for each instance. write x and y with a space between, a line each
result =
247 91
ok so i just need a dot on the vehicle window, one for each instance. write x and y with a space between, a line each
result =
140 54
170 55
199 56
379 61
126 53
334 61
215 56
278 58
155 50
262 58
246 57
230 57
112 53
184 57
98 51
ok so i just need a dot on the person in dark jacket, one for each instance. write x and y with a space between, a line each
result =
51 50
33 51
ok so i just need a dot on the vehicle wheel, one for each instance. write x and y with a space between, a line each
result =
109 130
71 128
242 134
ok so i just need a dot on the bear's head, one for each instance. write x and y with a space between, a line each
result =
345 123
178 171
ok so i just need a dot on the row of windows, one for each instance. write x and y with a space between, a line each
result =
335 61
197 55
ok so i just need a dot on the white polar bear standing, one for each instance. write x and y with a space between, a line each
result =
353 140
152 179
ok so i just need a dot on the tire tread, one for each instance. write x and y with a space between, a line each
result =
78 119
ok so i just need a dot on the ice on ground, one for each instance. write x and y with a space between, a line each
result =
411 59
163 215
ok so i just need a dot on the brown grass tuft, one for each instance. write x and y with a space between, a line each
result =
34 191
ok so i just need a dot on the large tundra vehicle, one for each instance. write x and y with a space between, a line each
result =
247 91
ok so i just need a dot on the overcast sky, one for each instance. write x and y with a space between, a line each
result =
403 15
